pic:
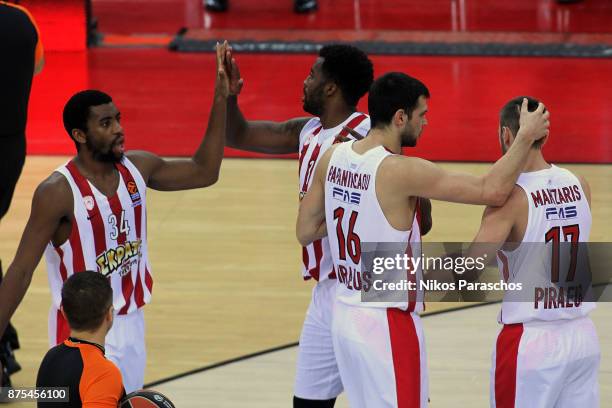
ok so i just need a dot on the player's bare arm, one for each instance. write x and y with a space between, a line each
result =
51 204
311 216
257 135
202 169
501 226
585 187
426 179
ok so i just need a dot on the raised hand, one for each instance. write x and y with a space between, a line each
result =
231 67
222 87
534 125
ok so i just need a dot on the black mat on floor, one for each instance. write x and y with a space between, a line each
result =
183 44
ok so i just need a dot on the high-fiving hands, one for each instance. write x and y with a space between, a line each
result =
231 68
222 83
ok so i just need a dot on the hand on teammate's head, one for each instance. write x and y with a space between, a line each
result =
534 125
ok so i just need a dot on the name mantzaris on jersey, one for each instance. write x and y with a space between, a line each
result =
553 297
121 256
348 179
561 195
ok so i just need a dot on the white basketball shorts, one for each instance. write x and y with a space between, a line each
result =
381 356
546 364
317 376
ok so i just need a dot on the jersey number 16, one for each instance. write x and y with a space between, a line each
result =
350 242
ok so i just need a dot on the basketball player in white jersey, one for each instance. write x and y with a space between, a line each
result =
90 214
364 191
339 77
547 352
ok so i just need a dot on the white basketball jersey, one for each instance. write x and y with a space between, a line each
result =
546 260
354 216
314 142
109 235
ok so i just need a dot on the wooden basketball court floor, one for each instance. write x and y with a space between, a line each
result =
227 283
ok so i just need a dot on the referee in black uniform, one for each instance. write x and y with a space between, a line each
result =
21 54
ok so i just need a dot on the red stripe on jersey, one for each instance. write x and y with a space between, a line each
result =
311 166
148 280
406 355
505 270
63 271
305 147
302 155
129 180
356 121
506 354
62 330
305 257
78 261
318 252
93 215
332 274
127 286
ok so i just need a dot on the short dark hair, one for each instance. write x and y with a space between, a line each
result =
511 112
391 92
350 68
86 298
76 110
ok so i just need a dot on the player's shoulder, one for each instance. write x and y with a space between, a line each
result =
365 122
307 124
304 127
54 189
144 161
517 198
401 163
54 185
586 187
516 202
583 181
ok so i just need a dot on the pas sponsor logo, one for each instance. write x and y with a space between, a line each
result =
121 258
349 197
561 213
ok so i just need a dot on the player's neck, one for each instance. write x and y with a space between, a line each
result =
383 137
94 168
335 115
535 162
97 336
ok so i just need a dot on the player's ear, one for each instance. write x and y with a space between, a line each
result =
110 315
63 313
400 117
507 137
78 135
330 88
